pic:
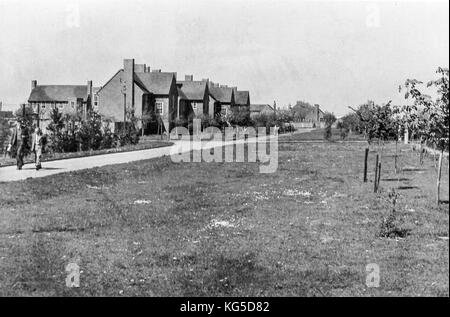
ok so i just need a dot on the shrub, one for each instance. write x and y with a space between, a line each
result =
4 134
329 119
390 227
90 133
109 139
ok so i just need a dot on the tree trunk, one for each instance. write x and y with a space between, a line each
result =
439 177
434 155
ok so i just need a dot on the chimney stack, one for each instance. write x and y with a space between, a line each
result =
33 84
128 82
156 71
139 68
147 69
189 77
89 87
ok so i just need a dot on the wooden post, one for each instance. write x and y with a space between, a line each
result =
375 181
406 134
379 175
124 111
366 155
439 178
396 154
421 152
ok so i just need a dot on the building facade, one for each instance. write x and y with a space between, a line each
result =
151 95
193 97
221 98
68 99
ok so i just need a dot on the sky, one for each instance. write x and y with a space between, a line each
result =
333 53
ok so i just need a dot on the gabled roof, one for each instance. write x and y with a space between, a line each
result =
260 107
192 90
181 94
241 97
157 83
221 94
52 93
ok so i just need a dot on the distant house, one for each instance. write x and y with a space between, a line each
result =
193 97
257 109
68 99
308 113
242 98
136 87
221 98
6 115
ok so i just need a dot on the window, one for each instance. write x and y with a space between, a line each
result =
42 106
95 100
194 105
224 109
60 105
159 107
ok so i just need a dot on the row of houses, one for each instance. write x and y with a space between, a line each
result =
146 91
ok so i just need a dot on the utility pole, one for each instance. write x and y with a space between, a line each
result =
124 111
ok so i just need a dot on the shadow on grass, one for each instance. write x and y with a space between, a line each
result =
395 179
413 169
244 276
406 187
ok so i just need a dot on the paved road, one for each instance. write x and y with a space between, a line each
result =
9 173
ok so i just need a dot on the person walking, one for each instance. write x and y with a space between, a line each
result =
37 146
19 140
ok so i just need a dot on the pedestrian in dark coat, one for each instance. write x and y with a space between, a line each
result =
19 141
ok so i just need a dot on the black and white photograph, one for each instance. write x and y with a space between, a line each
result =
224 154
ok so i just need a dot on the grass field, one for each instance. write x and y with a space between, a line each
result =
158 228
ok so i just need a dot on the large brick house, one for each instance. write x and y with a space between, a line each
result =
68 99
139 88
221 98
193 97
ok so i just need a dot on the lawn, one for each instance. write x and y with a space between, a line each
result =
158 228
